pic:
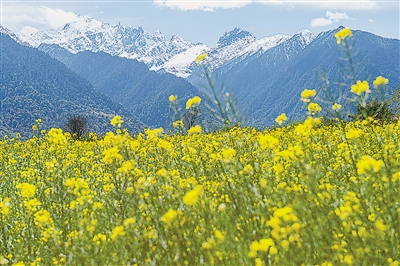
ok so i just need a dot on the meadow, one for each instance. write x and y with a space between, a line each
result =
298 194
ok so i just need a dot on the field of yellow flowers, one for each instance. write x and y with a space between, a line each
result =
301 194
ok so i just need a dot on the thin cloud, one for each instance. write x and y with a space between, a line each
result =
330 19
336 16
28 30
320 22
28 18
57 17
208 5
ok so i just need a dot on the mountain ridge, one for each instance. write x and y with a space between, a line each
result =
87 33
129 82
174 55
34 85
272 83
266 74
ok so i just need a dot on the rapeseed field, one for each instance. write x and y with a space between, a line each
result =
306 194
300 194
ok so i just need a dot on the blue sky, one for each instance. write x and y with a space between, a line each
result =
206 21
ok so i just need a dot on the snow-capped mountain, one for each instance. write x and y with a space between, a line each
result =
239 43
181 65
266 52
174 55
12 35
89 34
233 46
270 83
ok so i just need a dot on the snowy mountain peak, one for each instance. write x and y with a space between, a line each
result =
304 32
305 35
83 24
158 33
12 35
159 37
88 34
233 47
176 38
173 55
5 30
235 35
177 41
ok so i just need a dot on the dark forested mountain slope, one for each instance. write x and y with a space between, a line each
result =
34 85
129 82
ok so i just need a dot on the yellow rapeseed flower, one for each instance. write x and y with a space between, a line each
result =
56 136
97 205
112 154
154 133
360 87
342 34
396 177
32 204
380 225
274 222
348 259
314 108
209 244
99 238
336 107
117 231
353 133
27 190
254 247
169 217
200 57
219 235
195 129
116 121
307 94
129 221
248 169
192 102
392 262
5 206
268 141
367 163
126 167
43 217
265 244
228 154
281 118
283 211
193 196
178 124
379 81
172 98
